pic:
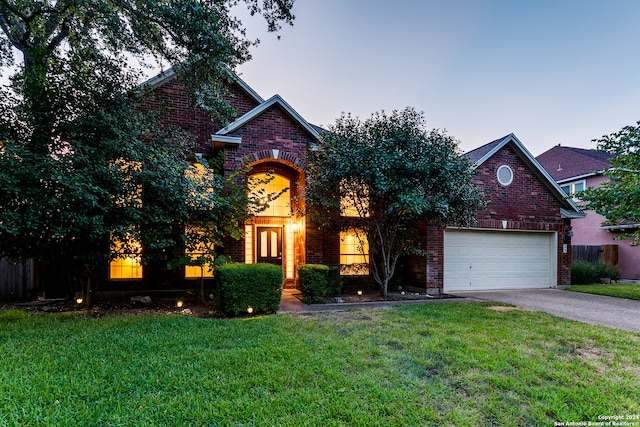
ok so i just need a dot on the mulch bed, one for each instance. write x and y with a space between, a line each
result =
375 296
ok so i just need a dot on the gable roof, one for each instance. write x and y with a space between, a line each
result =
569 163
170 74
225 134
481 154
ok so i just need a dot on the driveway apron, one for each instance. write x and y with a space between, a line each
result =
595 309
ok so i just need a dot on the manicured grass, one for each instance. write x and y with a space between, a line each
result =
442 364
618 290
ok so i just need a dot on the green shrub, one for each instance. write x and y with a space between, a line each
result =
240 286
584 273
608 271
334 285
318 281
314 282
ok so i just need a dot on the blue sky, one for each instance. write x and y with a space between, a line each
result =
564 71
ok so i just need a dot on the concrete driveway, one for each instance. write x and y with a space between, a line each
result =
598 310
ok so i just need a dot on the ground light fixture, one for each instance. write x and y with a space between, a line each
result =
179 304
249 309
359 294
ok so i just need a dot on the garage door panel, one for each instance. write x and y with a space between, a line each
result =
477 260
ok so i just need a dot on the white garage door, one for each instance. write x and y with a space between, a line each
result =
481 260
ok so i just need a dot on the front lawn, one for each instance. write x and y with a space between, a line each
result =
618 290
439 364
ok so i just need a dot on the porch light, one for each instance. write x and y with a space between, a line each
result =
359 293
295 227
179 304
249 309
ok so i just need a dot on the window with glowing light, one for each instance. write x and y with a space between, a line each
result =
131 191
354 253
127 265
264 184
354 198
200 250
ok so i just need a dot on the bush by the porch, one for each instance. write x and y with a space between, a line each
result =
254 288
318 281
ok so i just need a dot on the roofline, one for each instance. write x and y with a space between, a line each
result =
528 157
170 74
226 139
620 227
160 78
578 177
565 213
255 112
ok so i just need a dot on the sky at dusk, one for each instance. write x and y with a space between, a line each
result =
551 72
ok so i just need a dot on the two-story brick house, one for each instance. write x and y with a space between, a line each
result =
520 240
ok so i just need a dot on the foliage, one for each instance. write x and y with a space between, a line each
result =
385 175
318 281
609 271
240 286
617 290
618 199
424 365
82 166
584 273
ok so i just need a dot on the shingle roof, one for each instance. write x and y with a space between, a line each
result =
565 163
478 153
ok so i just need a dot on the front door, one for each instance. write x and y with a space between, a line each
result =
269 245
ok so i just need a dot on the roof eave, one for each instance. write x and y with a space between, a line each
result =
569 214
255 112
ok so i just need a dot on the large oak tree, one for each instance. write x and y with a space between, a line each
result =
80 163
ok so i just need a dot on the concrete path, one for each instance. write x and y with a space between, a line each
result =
595 309
598 310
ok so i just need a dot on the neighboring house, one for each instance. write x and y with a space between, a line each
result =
520 240
576 169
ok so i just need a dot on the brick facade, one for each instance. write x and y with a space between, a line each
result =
275 140
526 204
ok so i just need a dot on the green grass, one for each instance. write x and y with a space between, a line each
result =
618 290
450 364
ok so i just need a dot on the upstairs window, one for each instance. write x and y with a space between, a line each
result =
263 185
574 188
354 198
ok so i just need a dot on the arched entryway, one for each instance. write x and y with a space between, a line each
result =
276 234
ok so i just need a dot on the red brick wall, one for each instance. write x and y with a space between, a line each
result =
526 204
176 108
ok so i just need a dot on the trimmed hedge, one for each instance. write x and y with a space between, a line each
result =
318 281
585 273
240 286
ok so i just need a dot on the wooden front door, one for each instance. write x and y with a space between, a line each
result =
269 245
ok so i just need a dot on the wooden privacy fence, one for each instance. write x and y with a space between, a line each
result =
16 280
594 254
